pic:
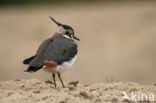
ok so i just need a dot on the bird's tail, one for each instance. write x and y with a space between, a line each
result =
27 61
32 69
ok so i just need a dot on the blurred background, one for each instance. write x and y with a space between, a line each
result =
117 38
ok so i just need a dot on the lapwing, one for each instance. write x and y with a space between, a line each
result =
56 54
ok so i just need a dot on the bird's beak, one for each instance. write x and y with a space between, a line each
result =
59 24
76 38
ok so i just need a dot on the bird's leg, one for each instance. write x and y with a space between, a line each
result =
53 74
59 75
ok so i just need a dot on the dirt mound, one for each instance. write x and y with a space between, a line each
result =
35 91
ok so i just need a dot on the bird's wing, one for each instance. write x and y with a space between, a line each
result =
28 60
44 46
70 52
58 51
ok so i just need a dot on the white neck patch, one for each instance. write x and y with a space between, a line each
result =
66 36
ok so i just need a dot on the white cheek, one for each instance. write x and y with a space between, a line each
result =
60 30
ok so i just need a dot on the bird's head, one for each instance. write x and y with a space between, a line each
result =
65 30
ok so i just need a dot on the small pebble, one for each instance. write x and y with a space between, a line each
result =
114 100
92 90
17 80
49 82
10 93
37 91
64 101
74 83
86 85
71 88
44 98
22 85
85 95
98 100
38 83
126 100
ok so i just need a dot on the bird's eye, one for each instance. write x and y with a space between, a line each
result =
67 32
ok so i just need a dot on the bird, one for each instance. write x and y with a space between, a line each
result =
56 54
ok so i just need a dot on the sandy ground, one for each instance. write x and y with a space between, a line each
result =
35 91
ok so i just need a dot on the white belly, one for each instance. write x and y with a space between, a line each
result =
63 67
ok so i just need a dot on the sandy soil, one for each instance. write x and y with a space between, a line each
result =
35 91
